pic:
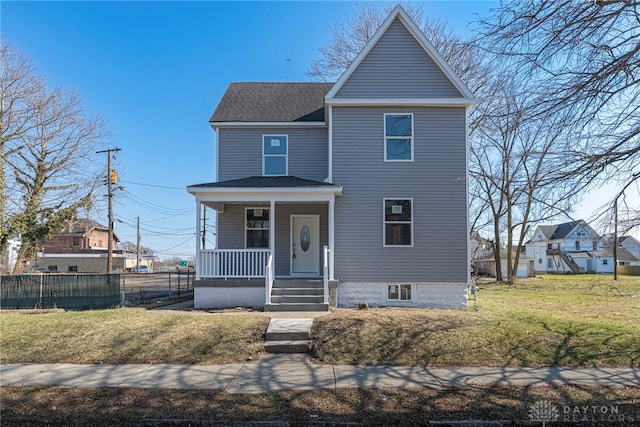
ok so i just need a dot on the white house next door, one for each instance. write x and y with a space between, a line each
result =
305 245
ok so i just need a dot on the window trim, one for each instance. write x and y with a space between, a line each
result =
385 138
384 222
246 211
400 285
286 155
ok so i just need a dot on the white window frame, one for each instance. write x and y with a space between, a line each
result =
398 137
384 222
246 212
400 286
286 155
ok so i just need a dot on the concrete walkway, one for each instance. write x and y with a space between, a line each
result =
274 373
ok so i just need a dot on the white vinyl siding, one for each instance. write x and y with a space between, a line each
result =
398 222
275 161
398 137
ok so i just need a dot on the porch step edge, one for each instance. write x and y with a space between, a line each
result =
297 291
287 346
287 336
296 307
295 283
297 299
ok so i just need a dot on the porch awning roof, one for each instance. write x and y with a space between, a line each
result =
266 188
264 182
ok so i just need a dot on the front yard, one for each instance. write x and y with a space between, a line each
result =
582 321
553 320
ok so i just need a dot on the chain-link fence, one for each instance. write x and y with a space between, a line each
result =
151 287
68 291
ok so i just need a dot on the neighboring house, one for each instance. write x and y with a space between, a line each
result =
627 245
486 266
563 248
10 254
359 186
79 236
571 247
632 246
81 247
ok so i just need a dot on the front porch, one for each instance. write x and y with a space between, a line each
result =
266 228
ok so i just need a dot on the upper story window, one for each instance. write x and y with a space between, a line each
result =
398 137
274 155
398 222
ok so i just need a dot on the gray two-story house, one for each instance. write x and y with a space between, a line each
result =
345 192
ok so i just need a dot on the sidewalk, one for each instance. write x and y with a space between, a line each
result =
275 373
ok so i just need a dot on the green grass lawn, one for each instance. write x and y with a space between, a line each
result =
131 335
552 320
582 320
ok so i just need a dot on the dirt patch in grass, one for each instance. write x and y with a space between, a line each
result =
116 406
132 335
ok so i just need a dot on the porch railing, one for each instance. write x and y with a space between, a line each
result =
232 263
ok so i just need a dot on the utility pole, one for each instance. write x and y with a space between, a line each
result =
138 248
615 224
615 238
112 178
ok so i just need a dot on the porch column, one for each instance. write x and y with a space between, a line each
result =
272 228
332 248
198 233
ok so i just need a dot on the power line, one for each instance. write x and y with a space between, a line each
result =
156 186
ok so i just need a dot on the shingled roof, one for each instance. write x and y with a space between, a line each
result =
266 182
272 102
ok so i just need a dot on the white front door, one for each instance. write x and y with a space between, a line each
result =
305 245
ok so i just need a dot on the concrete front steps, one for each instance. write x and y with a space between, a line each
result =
288 335
297 295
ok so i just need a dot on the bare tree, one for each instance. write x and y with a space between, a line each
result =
47 144
581 60
132 247
15 118
512 155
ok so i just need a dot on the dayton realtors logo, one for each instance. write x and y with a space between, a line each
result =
545 411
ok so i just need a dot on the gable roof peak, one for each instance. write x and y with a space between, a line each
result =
398 13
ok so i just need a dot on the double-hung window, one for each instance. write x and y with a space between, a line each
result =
274 155
257 228
398 137
398 222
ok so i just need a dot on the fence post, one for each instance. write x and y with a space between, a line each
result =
40 299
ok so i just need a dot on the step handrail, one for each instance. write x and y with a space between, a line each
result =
325 275
268 278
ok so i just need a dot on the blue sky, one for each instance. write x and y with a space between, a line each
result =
156 71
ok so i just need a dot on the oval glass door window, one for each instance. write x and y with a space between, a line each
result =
305 238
